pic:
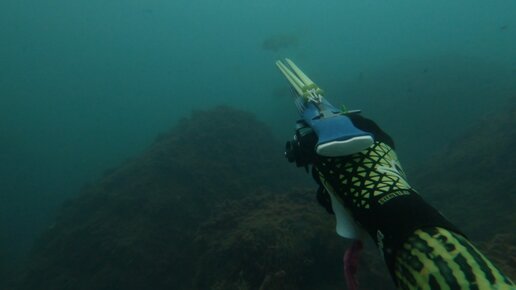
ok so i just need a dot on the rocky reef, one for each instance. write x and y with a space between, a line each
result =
210 205
213 205
501 249
473 183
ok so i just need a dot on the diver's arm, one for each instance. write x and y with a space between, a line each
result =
436 258
361 179
421 248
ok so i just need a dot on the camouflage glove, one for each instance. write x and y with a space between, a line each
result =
372 185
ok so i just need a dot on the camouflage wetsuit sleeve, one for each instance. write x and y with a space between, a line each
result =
436 258
420 247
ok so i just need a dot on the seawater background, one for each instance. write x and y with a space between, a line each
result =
87 84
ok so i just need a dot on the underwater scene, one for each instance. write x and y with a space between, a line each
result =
142 144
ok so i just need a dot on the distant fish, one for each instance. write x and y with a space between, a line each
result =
280 41
504 27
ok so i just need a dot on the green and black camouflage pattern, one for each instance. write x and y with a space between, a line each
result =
435 258
421 248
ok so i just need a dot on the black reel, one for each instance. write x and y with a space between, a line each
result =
301 149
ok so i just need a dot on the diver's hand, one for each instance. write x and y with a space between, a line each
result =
411 235
373 187
364 180
324 168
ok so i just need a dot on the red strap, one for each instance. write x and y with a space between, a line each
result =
351 259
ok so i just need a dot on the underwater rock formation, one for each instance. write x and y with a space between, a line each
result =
501 249
473 184
275 241
278 241
135 228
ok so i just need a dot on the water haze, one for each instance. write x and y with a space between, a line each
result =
87 84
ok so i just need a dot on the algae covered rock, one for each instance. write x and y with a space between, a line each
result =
134 229
277 241
473 183
501 249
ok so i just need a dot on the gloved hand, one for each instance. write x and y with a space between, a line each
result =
368 190
412 236
373 187
321 163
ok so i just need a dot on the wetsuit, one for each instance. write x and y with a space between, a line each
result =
421 248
